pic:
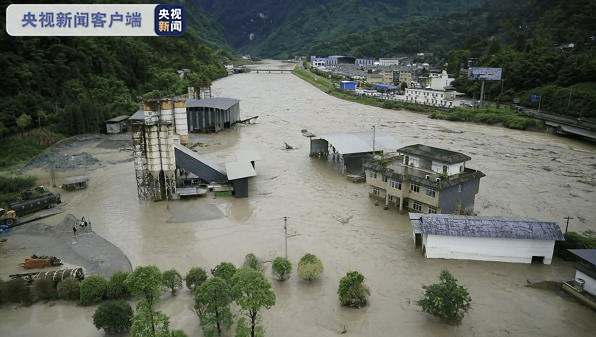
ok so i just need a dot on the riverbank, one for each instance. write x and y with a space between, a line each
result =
489 115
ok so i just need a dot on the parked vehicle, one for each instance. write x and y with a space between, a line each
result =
30 201
8 218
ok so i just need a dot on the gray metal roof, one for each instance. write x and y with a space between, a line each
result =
221 103
360 142
118 119
197 164
239 169
488 227
139 115
433 153
589 255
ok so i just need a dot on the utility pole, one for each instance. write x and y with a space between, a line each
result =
286 231
373 140
567 226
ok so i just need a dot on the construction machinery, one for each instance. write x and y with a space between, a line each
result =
8 218
30 201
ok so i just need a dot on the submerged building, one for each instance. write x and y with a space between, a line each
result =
212 114
424 179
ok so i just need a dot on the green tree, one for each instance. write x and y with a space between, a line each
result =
113 316
310 267
16 291
252 292
352 291
116 287
178 333
93 289
44 289
225 270
250 260
243 330
145 281
172 280
69 289
148 323
281 267
196 276
447 298
212 304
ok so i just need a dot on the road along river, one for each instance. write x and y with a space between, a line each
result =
528 174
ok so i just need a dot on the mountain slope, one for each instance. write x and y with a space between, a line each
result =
276 28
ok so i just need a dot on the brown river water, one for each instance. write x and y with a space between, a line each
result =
528 174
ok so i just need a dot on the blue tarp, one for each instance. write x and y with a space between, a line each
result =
386 86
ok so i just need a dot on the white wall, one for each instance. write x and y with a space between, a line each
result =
451 169
590 283
487 249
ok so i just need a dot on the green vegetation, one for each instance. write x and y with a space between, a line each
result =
16 291
244 330
196 276
252 292
225 270
93 290
116 287
212 304
447 298
488 115
352 291
310 267
281 267
145 282
251 261
73 84
113 316
585 240
149 323
172 280
69 289
44 289
11 186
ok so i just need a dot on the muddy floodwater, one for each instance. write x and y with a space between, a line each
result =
528 174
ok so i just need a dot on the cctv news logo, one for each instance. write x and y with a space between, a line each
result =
95 20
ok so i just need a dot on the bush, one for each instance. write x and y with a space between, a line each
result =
250 260
16 291
69 289
310 267
195 276
352 292
93 290
172 280
178 333
113 316
116 288
446 299
281 267
44 289
225 270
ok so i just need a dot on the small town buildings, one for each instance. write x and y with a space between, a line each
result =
212 114
350 150
347 85
424 179
585 271
405 76
440 82
499 239
426 96
117 124
388 61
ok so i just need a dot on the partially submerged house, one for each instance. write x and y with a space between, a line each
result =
424 179
351 150
117 124
583 285
500 239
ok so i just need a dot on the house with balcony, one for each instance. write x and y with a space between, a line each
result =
424 179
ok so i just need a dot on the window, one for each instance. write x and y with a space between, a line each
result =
417 206
385 179
375 191
395 184
432 210
430 192
414 187
405 204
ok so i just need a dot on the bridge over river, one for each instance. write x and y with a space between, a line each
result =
566 125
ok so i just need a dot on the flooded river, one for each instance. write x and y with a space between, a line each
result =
528 174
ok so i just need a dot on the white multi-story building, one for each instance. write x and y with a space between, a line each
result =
388 62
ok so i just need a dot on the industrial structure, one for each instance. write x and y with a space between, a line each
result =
163 164
500 239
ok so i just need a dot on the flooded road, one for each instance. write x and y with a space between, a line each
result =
528 174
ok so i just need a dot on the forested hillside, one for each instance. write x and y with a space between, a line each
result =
73 84
546 48
278 28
